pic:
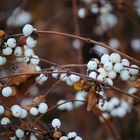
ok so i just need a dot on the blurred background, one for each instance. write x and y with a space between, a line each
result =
114 22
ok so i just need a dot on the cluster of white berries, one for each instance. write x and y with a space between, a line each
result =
42 108
109 67
115 107
56 123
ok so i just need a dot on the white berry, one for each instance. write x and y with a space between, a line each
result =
109 81
35 60
16 111
2 60
63 138
30 42
5 121
74 78
11 42
125 75
105 58
18 51
115 58
72 135
28 52
23 113
43 108
19 133
7 91
108 66
92 65
93 75
27 30
100 77
118 67
125 62
134 71
7 51
1 109
78 138
112 74
56 123
34 111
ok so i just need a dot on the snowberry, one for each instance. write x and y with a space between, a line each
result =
19 133
133 71
105 58
132 90
102 105
115 58
26 59
27 30
41 79
35 60
112 74
92 65
69 82
118 67
16 111
60 104
11 42
30 42
121 112
103 72
7 51
100 77
72 135
125 62
63 138
23 113
78 138
28 52
55 73
69 106
2 60
43 108
63 76
34 111
37 68
1 109
114 43
5 121
125 75
108 66
56 123
109 81
93 74
33 137
18 51
13 138
74 78
7 91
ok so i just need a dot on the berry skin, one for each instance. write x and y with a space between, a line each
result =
72 135
43 108
125 62
56 123
118 67
109 81
112 74
63 138
5 121
35 60
7 51
11 42
23 113
105 58
92 65
115 58
19 133
125 75
30 42
133 71
78 138
108 66
33 137
1 109
2 60
93 75
34 111
7 91
27 30
100 77
16 110
74 78
103 72
18 51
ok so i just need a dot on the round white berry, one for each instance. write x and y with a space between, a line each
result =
28 52
103 72
132 90
37 68
78 138
35 60
118 67
1 109
63 138
23 113
43 108
61 104
109 81
134 71
74 78
18 51
55 73
33 137
100 77
69 82
92 65
30 42
115 58
27 30
63 77
11 42
2 60
108 66
5 121
19 133
125 75
16 111
56 123
7 51
112 74
7 91
41 79
72 135
105 58
93 75
125 62
114 43
34 111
